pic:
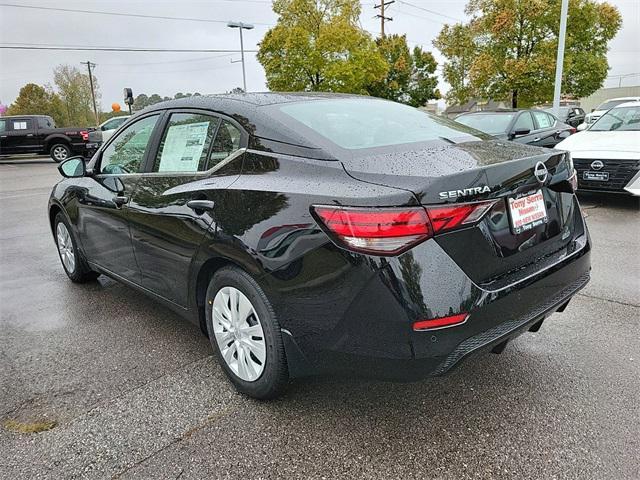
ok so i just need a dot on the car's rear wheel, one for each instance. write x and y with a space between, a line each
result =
245 334
59 152
73 262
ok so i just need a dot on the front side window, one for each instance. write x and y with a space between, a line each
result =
126 152
618 119
186 142
524 122
3 125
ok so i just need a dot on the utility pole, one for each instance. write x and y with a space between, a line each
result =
381 15
93 93
560 58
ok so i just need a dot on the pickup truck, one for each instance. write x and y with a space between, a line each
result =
37 134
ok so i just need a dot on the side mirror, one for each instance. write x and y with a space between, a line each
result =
520 132
581 127
571 114
73 167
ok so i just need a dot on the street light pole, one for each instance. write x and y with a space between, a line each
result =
241 26
560 58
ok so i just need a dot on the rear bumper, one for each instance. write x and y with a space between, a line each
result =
373 336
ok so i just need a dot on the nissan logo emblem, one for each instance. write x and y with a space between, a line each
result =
541 172
597 164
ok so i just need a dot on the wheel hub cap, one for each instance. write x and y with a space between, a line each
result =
239 333
65 247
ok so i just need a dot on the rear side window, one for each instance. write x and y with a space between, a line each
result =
45 122
544 120
23 124
3 125
186 142
227 141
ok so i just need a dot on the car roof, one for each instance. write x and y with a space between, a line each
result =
631 99
25 116
635 103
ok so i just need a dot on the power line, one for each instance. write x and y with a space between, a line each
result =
116 49
430 11
119 14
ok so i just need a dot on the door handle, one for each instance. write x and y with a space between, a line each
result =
537 139
29 135
120 200
200 206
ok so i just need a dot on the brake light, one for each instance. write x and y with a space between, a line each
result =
85 135
449 217
442 322
379 231
572 130
393 230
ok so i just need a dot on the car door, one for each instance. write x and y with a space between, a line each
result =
4 135
21 137
174 203
104 199
523 123
547 131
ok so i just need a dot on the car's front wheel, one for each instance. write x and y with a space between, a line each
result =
73 262
245 334
59 152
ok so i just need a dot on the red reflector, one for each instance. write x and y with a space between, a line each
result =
442 322
382 231
85 135
448 217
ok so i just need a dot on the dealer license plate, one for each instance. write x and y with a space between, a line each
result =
597 176
527 212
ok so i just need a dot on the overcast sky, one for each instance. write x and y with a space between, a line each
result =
168 73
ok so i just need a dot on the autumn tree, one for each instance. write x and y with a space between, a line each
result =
37 100
410 74
74 90
317 45
508 49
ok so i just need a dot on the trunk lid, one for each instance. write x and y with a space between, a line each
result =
491 252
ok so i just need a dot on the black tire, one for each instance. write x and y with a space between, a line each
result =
81 273
275 376
56 152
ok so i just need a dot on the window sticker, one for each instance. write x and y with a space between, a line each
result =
183 147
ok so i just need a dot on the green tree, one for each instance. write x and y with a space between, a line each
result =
508 49
74 90
410 74
317 45
36 100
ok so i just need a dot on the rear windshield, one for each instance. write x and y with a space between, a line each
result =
491 123
621 119
611 104
356 124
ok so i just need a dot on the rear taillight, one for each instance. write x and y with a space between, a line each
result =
379 231
393 230
573 130
85 135
449 217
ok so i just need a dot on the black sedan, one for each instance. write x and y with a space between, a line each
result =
571 115
532 127
309 234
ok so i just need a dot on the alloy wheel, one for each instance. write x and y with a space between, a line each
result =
239 334
65 247
60 153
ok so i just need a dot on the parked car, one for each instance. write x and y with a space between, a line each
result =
531 127
596 113
607 154
37 134
106 129
571 115
407 241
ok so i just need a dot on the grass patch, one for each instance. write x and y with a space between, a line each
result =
29 427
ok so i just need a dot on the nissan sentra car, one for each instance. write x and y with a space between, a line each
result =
320 233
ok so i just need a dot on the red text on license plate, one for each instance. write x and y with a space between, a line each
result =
527 212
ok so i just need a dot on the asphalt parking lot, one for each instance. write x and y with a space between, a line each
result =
129 390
